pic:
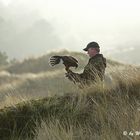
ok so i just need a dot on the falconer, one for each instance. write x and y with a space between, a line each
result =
94 70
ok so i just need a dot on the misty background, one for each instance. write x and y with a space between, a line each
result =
30 28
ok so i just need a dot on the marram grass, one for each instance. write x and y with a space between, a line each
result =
99 113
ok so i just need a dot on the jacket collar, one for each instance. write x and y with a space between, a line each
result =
97 55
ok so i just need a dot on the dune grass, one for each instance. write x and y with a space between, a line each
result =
38 104
100 113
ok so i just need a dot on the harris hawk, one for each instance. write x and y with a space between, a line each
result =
68 61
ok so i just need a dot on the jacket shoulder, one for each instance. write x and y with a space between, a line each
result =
98 59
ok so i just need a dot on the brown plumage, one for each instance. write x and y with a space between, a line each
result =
68 61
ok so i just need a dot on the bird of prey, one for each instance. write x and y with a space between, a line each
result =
68 61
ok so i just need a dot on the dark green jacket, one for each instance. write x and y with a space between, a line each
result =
94 70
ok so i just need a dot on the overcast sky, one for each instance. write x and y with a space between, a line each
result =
112 23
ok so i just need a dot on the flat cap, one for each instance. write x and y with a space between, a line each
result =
92 45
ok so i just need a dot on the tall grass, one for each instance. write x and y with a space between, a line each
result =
97 112
43 105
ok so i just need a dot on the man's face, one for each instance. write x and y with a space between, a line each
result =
92 52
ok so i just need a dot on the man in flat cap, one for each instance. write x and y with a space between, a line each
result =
94 70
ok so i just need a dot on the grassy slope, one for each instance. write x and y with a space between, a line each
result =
94 113
66 112
34 78
40 64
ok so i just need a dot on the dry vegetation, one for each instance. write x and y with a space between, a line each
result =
43 105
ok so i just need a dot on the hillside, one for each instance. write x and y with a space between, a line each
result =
94 113
38 102
34 78
40 64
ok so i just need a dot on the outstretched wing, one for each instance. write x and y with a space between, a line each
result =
69 61
73 60
55 60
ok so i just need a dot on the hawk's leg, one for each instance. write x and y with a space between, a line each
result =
67 69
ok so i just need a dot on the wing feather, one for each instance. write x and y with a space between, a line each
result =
54 60
68 61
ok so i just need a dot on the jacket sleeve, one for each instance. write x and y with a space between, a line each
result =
91 70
